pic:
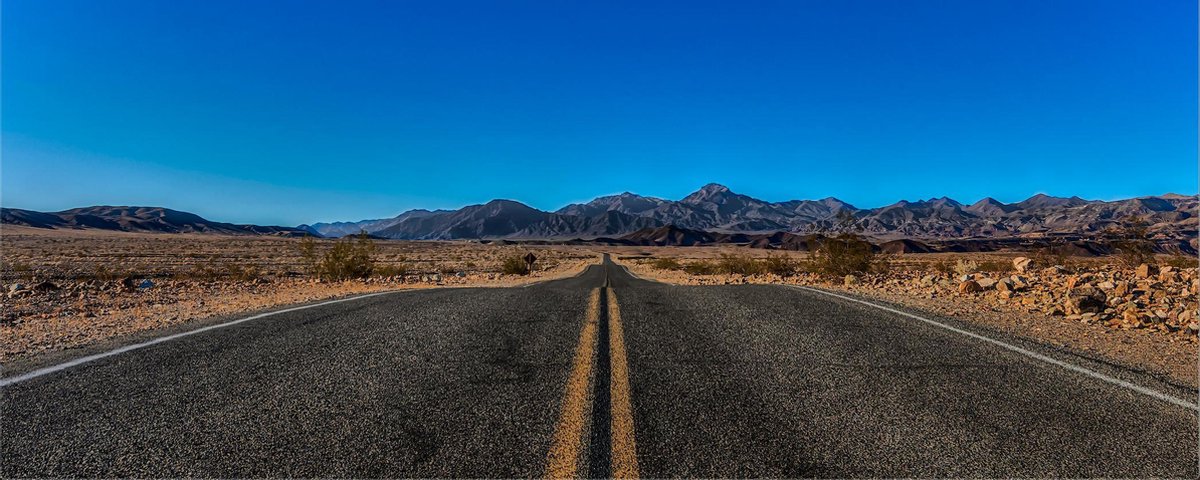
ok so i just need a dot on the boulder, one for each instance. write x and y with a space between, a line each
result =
986 282
1145 270
1085 300
969 286
1022 264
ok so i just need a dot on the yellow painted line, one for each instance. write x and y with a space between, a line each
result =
563 459
624 445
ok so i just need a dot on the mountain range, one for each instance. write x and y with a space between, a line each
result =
715 208
712 212
135 219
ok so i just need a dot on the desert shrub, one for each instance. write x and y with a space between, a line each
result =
447 270
1048 256
964 267
779 265
943 267
514 265
738 265
701 268
995 266
308 254
1182 261
844 254
348 258
245 273
883 264
1133 243
389 270
666 263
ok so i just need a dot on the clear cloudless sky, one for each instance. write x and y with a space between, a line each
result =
291 111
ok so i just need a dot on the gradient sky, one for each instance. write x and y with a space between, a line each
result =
294 112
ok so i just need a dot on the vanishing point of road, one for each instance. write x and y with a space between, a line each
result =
600 375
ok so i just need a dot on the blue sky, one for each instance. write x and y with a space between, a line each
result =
291 112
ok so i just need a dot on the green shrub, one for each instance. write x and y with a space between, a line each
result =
666 263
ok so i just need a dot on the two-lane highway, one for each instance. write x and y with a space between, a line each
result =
598 375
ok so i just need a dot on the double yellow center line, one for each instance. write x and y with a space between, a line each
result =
569 442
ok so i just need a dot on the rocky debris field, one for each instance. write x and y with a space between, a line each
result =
67 291
1143 316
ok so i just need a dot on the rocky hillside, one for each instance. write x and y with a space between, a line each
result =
134 219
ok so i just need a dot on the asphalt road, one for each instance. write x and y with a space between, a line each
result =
716 381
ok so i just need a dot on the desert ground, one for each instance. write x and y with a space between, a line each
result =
71 288
67 289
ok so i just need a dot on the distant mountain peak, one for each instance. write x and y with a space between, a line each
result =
708 193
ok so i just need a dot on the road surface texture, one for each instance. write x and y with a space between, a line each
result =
599 375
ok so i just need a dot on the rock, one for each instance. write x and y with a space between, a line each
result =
1107 285
1145 270
1131 317
850 280
969 286
435 277
1085 300
986 283
1054 270
1006 286
1122 289
1022 264
1018 282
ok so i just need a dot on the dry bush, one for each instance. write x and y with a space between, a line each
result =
389 270
349 258
514 265
1182 261
1133 243
781 265
739 265
965 267
1048 256
245 273
702 267
666 263
943 267
995 266
844 254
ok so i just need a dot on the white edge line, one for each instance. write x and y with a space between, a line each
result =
1029 353
4 382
